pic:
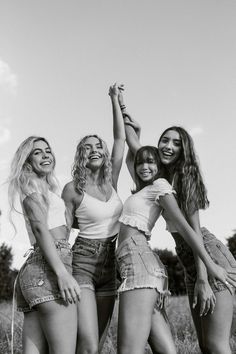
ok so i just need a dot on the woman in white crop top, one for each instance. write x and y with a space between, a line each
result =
154 331
95 208
46 291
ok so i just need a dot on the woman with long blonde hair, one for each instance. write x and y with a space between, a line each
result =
46 292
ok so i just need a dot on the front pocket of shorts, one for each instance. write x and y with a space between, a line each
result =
32 275
150 263
221 254
84 251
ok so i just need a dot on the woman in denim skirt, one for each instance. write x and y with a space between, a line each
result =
211 299
46 291
94 204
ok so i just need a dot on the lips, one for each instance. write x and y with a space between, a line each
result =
94 157
46 163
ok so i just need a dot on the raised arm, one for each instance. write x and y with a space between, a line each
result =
37 216
132 133
173 212
118 134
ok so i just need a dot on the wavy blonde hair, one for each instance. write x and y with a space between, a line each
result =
79 170
22 180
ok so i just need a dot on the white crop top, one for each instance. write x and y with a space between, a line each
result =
98 219
142 209
56 215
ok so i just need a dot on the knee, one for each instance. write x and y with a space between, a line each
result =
87 347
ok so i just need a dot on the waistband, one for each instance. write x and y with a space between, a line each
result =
97 241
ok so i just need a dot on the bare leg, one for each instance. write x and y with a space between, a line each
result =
59 323
216 327
34 341
105 306
134 321
88 335
160 339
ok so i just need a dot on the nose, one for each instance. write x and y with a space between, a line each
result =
45 155
169 144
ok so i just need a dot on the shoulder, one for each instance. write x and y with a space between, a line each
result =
69 193
163 187
33 202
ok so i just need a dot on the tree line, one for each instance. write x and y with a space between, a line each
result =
169 259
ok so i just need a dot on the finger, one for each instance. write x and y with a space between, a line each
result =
73 295
202 307
68 296
229 287
194 301
212 304
207 307
62 292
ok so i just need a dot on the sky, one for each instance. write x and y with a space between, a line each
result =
177 60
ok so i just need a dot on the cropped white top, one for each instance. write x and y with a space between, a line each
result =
98 219
56 215
142 209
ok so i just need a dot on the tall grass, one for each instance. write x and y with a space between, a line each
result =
178 313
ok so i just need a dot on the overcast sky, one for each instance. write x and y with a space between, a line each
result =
177 60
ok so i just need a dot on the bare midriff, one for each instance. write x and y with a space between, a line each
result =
127 231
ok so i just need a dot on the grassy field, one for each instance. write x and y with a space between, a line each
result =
179 316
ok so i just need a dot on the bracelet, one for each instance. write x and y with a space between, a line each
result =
122 107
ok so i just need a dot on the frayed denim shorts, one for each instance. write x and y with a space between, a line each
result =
36 282
94 265
218 252
139 267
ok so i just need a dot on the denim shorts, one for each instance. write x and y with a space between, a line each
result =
218 252
94 265
36 282
139 267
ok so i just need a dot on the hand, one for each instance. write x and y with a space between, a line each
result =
114 90
227 278
69 288
204 294
128 120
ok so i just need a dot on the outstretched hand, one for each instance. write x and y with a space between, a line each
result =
114 90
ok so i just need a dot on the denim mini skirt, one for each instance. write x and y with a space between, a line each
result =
36 282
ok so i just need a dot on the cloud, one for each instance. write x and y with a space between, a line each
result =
196 131
5 135
8 80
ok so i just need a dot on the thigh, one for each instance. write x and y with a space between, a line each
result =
88 333
33 338
160 338
134 321
216 327
59 323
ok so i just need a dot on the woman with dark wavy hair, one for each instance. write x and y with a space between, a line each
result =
93 202
211 300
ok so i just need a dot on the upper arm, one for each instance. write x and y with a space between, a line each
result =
36 212
68 197
117 159
130 164
194 221
173 212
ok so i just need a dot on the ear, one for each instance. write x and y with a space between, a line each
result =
28 167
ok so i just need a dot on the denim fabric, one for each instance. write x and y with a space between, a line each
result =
36 282
140 267
219 253
94 265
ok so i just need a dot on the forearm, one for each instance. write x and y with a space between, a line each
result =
46 243
118 123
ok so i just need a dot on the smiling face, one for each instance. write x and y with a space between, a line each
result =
146 165
94 152
41 158
170 147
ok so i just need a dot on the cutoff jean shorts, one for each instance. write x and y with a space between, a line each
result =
139 267
218 252
36 282
94 265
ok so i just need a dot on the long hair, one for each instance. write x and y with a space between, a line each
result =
22 179
187 178
141 156
79 170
